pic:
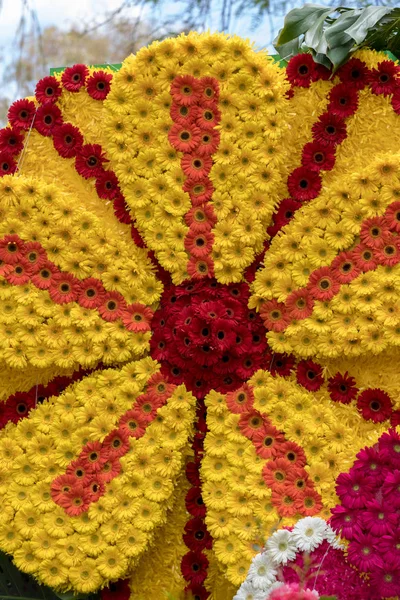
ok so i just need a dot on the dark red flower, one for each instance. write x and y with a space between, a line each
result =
375 405
342 388
283 216
318 157
343 100
48 89
48 116
121 209
194 502
194 567
21 114
385 79
396 101
7 164
107 185
192 473
301 70
11 140
117 590
355 73
281 364
329 130
18 406
196 536
67 140
304 184
309 375
73 78
89 161
99 85
197 591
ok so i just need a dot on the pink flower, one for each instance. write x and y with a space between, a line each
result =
345 520
379 518
292 591
362 552
354 489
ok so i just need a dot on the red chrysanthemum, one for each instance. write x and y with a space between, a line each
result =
329 130
73 78
365 258
89 161
396 101
93 456
113 306
200 244
375 405
98 85
107 185
7 164
80 471
196 167
342 388
392 216
301 70
12 249
21 114
374 232
184 138
64 288
133 422
200 191
274 315
241 400
194 502
185 90
267 441
385 79
35 255
251 423
304 184
48 117
318 157
283 216
201 218
194 567
308 503
293 453
209 142
209 117
323 284
354 73
184 115
196 536
275 472
48 89
116 443
343 101
345 268
309 375
198 268
19 273
67 140
117 590
91 294
44 277
18 407
137 317
299 304
389 254
11 140
208 90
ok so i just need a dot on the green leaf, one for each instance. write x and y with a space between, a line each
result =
300 20
315 37
336 33
369 17
286 51
339 54
322 59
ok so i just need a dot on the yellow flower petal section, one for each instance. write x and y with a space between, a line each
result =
248 166
106 542
240 514
41 335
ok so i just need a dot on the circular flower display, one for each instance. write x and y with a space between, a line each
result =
199 316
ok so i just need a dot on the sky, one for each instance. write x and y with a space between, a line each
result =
66 12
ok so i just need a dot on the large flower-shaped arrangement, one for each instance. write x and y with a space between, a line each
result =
198 293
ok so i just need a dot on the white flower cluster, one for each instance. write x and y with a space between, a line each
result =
280 549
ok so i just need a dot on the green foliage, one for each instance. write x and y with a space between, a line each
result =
333 34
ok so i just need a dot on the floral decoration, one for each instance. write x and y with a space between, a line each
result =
198 312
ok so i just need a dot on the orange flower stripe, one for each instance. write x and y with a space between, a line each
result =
23 263
99 462
292 489
379 246
195 114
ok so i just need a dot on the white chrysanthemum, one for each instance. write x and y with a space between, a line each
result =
262 571
333 539
248 592
281 548
309 533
